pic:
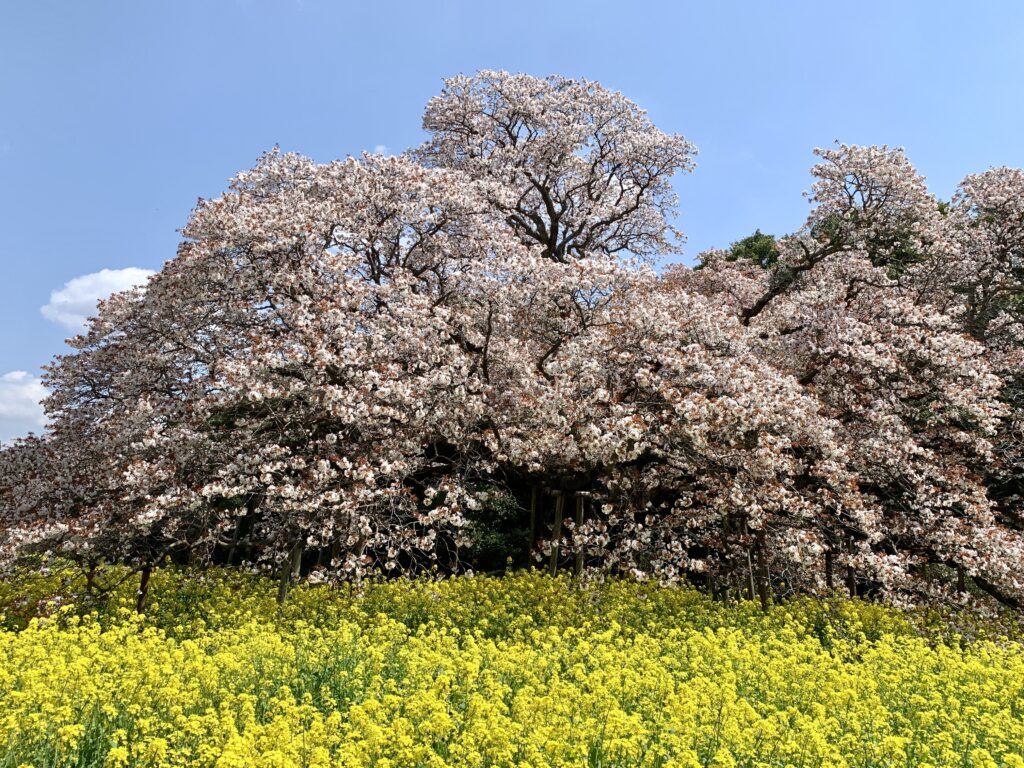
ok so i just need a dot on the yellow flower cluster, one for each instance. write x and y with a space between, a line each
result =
521 670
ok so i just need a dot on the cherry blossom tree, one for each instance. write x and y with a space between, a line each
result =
980 285
571 166
914 401
345 363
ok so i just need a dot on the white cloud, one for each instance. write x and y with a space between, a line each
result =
20 411
382 149
73 304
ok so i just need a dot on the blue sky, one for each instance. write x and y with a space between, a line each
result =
116 116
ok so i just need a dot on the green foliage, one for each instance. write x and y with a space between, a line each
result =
758 248
500 532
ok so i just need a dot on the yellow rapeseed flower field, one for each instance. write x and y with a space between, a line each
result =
520 670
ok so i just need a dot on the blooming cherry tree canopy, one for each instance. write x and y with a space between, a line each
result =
346 363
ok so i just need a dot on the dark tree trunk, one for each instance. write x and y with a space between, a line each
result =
90 578
140 600
556 532
297 561
763 584
851 574
289 570
751 589
533 525
579 525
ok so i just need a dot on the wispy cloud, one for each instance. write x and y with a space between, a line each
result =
381 149
75 303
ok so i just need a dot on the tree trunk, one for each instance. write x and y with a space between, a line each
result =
751 589
140 600
289 570
851 575
90 578
763 584
723 589
829 570
579 525
282 583
556 532
297 560
234 542
533 525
